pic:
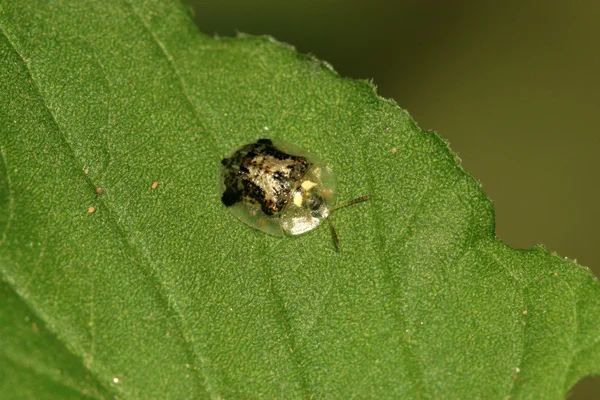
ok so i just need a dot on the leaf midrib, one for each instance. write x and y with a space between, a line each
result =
153 275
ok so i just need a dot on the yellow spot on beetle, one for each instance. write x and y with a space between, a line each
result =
298 199
307 185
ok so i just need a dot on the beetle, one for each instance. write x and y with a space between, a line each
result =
279 188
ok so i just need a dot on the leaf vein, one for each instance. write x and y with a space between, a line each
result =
289 334
524 327
384 262
11 198
47 374
173 306
173 65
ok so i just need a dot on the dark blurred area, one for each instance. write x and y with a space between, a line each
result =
514 86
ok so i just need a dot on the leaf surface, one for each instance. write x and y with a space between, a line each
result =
142 292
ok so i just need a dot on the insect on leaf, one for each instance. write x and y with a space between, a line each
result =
150 288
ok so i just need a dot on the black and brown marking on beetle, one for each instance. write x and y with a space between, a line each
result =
262 174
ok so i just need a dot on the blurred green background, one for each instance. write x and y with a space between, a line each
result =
513 85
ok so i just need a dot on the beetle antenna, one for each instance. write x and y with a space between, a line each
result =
336 240
350 202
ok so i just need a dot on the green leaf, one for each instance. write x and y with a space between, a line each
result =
161 293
